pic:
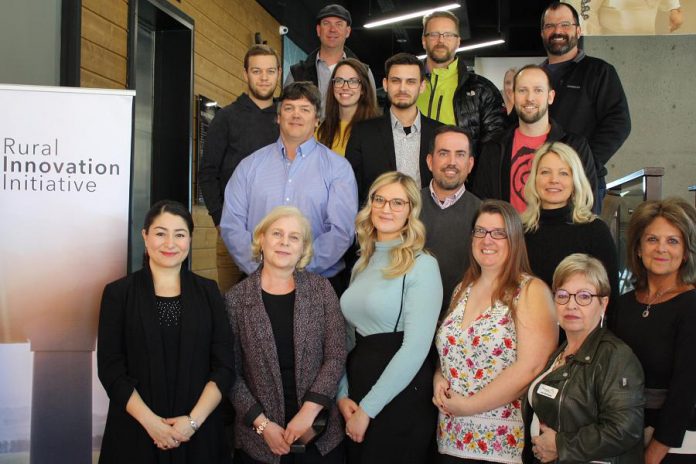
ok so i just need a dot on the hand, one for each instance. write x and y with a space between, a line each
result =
273 436
163 435
440 387
676 19
544 448
454 404
357 425
655 452
347 408
298 426
182 425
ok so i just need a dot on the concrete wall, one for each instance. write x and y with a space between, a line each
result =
659 77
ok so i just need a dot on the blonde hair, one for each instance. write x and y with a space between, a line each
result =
412 235
280 212
580 263
581 198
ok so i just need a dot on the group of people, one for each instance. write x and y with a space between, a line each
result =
403 276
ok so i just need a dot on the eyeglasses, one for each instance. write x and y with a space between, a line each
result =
353 83
496 234
396 204
583 297
564 25
437 35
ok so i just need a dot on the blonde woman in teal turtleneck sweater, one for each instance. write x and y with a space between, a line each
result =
391 307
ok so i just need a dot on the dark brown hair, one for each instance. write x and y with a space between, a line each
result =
367 104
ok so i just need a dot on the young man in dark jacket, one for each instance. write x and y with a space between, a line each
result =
237 131
590 100
454 95
505 162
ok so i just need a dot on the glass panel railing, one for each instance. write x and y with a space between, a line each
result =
623 197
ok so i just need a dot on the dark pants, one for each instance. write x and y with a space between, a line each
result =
311 456
447 459
679 459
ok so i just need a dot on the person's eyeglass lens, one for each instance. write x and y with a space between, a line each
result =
396 204
444 35
565 26
583 298
352 82
497 234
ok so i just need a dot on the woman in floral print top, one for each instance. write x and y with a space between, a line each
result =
500 330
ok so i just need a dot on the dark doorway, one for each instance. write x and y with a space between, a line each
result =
160 69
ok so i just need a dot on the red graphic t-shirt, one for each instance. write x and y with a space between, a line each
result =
523 148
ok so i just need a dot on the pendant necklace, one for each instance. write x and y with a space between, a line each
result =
658 295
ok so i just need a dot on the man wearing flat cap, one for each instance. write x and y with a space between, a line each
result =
333 28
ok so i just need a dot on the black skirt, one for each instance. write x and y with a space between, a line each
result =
404 430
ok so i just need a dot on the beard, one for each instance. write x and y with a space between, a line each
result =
441 57
261 94
560 48
449 184
534 117
403 104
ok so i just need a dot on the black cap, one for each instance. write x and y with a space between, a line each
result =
334 10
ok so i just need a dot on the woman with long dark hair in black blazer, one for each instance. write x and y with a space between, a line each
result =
164 353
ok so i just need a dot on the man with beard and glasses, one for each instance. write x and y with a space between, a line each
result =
448 208
453 94
589 97
237 131
399 140
505 162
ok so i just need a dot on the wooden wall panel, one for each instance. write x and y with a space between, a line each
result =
224 30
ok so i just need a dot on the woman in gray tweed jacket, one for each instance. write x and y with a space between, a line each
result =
289 347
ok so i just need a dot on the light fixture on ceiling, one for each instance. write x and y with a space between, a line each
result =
490 43
405 17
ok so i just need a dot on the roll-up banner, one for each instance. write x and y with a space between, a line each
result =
64 200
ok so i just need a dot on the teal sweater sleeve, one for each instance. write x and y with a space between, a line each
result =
421 307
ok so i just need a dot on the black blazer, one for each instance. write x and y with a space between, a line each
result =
130 356
370 151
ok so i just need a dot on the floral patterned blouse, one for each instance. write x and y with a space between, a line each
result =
470 358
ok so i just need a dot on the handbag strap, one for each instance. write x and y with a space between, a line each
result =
401 306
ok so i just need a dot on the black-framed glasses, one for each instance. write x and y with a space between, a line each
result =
496 234
564 25
583 297
396 204
438 35
353 82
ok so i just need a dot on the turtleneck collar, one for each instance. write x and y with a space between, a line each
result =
558 215
388 245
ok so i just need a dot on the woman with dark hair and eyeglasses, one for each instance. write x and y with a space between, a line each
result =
351 99
587 405
391 307
495 339
164 353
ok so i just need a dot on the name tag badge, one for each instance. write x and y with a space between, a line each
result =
549 392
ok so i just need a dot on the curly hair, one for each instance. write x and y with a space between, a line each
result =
412 235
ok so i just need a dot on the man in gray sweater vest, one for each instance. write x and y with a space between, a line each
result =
448 209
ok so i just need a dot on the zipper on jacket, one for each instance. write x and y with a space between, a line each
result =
439 106
560 400
432 94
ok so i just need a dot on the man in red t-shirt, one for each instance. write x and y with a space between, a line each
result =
504 163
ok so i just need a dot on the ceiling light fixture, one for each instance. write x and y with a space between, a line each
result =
405 17
490 43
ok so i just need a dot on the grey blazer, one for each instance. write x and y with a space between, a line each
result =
320 356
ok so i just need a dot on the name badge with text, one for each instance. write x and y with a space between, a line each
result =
549 392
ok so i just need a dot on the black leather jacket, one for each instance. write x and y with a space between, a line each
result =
478 106
597 409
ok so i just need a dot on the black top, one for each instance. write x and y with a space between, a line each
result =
168 315
281 312
664 344
557 237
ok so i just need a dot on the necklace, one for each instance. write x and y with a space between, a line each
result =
658 295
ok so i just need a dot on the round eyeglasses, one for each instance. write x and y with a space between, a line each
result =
339 82
396 204
583 297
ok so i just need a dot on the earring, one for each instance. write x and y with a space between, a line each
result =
601 321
